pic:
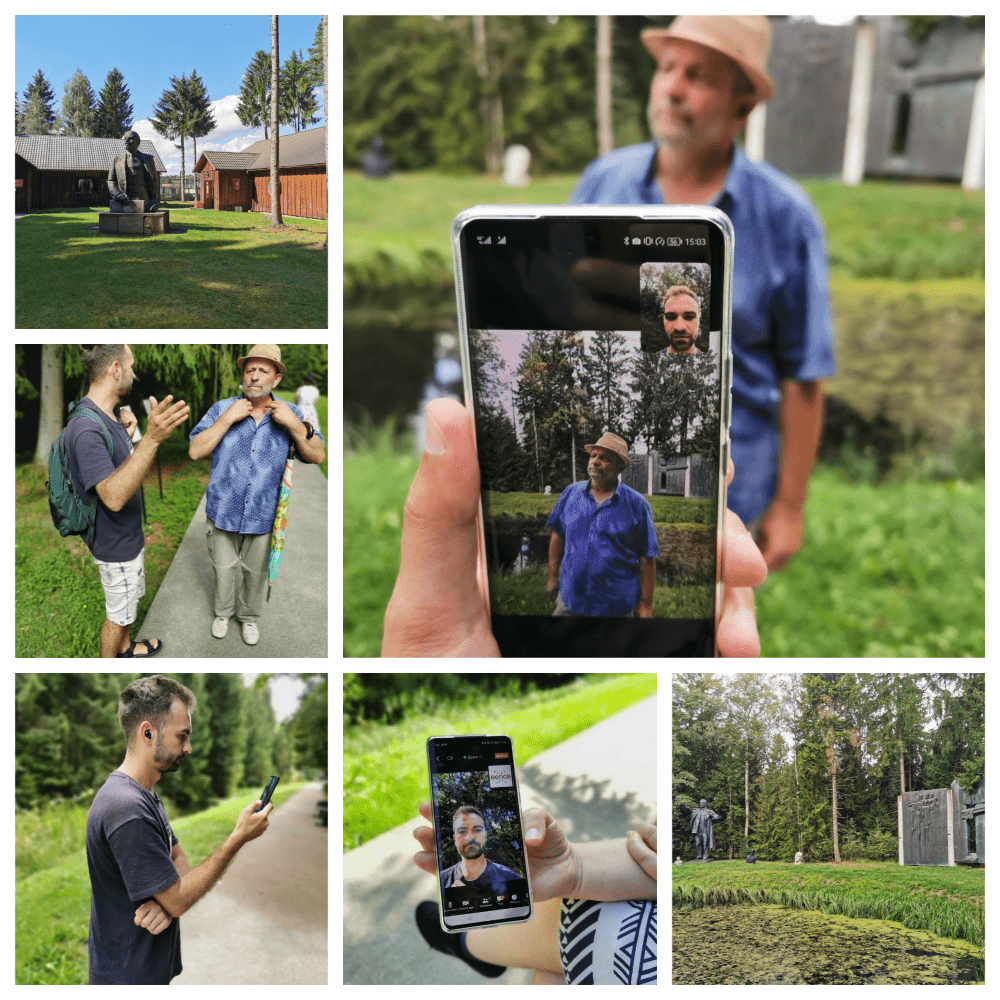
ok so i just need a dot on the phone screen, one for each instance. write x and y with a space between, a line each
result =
482 866
597 368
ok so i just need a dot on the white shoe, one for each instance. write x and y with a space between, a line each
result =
220 627
250 633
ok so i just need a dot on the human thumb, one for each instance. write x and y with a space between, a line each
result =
436 591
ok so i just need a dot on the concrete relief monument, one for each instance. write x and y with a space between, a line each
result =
943 826
132 188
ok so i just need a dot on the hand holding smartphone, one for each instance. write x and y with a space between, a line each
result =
482 865
597 366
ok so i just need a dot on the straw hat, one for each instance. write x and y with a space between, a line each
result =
744 38
269 352
613 443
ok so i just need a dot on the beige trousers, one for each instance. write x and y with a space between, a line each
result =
240 564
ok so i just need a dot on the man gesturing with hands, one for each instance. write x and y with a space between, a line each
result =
118 547
132 852
248 439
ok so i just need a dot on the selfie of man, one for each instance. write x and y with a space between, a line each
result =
141 881
475 870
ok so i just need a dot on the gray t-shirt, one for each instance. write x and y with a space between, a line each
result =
129 840
118 536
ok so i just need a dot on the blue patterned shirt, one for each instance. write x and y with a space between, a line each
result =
599 573
246 470
781 308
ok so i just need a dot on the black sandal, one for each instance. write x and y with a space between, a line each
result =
150 650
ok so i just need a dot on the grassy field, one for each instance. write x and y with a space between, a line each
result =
52 888
949 902
227 271
891 570
385 767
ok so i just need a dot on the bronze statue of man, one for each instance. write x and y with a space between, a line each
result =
701 827
132 177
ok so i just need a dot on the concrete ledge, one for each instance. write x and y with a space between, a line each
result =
134 223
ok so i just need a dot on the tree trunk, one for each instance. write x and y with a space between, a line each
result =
490 106
326 117
275 179
605 134
836 840
798 814
899 738
182 166
50 416
746 796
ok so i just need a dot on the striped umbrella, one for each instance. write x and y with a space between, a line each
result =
280 524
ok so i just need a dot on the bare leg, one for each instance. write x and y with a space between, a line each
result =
114 638
548 979
533 945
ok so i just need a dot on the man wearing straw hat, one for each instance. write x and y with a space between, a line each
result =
248 438
711 73
603 548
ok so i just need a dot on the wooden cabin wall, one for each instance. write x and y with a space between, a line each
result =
303 192
234 189
58 189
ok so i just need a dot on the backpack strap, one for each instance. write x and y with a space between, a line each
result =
86 411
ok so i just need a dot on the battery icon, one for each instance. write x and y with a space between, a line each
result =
674 241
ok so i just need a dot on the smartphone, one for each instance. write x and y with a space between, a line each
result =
597 363
482 865
269 788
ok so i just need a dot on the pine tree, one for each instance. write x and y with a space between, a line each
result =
114 113
255 93
78 111
38 116
299 104
202 120
182 112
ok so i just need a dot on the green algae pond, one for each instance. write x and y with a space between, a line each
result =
763 944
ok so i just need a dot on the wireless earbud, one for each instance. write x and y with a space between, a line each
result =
149 735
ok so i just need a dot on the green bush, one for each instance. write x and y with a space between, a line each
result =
882 846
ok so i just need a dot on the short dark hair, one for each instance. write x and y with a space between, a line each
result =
95 359
150 698
466 811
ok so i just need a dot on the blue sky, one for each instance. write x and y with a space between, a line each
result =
220 48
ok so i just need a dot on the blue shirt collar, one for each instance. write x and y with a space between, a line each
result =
727 196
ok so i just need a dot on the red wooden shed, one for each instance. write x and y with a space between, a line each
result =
242 179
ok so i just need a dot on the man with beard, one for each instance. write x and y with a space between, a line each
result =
140 878
603 547
248 459
681 316
711 71
475 869
114 478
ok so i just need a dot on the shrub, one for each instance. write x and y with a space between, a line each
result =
882 846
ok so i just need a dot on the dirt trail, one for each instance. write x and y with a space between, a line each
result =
266 920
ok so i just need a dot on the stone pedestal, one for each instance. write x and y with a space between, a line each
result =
134 223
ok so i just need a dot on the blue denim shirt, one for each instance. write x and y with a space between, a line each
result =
599 574
246 470
781 308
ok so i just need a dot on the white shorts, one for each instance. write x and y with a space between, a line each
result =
124 583
608 944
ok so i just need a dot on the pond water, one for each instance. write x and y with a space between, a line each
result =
763 944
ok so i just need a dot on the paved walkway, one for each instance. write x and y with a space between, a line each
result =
597 785
293 621
265 922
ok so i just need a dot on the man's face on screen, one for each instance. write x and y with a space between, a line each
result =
470 835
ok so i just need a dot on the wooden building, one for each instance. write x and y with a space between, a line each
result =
67 171
241 180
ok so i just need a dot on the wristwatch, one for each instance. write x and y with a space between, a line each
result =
309 429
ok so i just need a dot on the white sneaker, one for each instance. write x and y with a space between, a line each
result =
220 627
250 633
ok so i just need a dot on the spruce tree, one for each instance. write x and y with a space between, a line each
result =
38 116
254 108
78 111
298 102
114 113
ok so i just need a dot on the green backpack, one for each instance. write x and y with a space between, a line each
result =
71 514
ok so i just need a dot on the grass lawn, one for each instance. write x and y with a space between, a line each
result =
945 901
385 767
52 911
227 271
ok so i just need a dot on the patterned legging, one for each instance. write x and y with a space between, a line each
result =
608 944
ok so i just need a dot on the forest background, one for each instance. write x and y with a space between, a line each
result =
814 762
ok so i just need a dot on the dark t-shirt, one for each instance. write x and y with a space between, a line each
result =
118 536
493 880
128 853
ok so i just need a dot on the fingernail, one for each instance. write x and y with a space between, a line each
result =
534 833
437 443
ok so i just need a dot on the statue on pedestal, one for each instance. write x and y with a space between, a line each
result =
132 179
701 827
798 857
